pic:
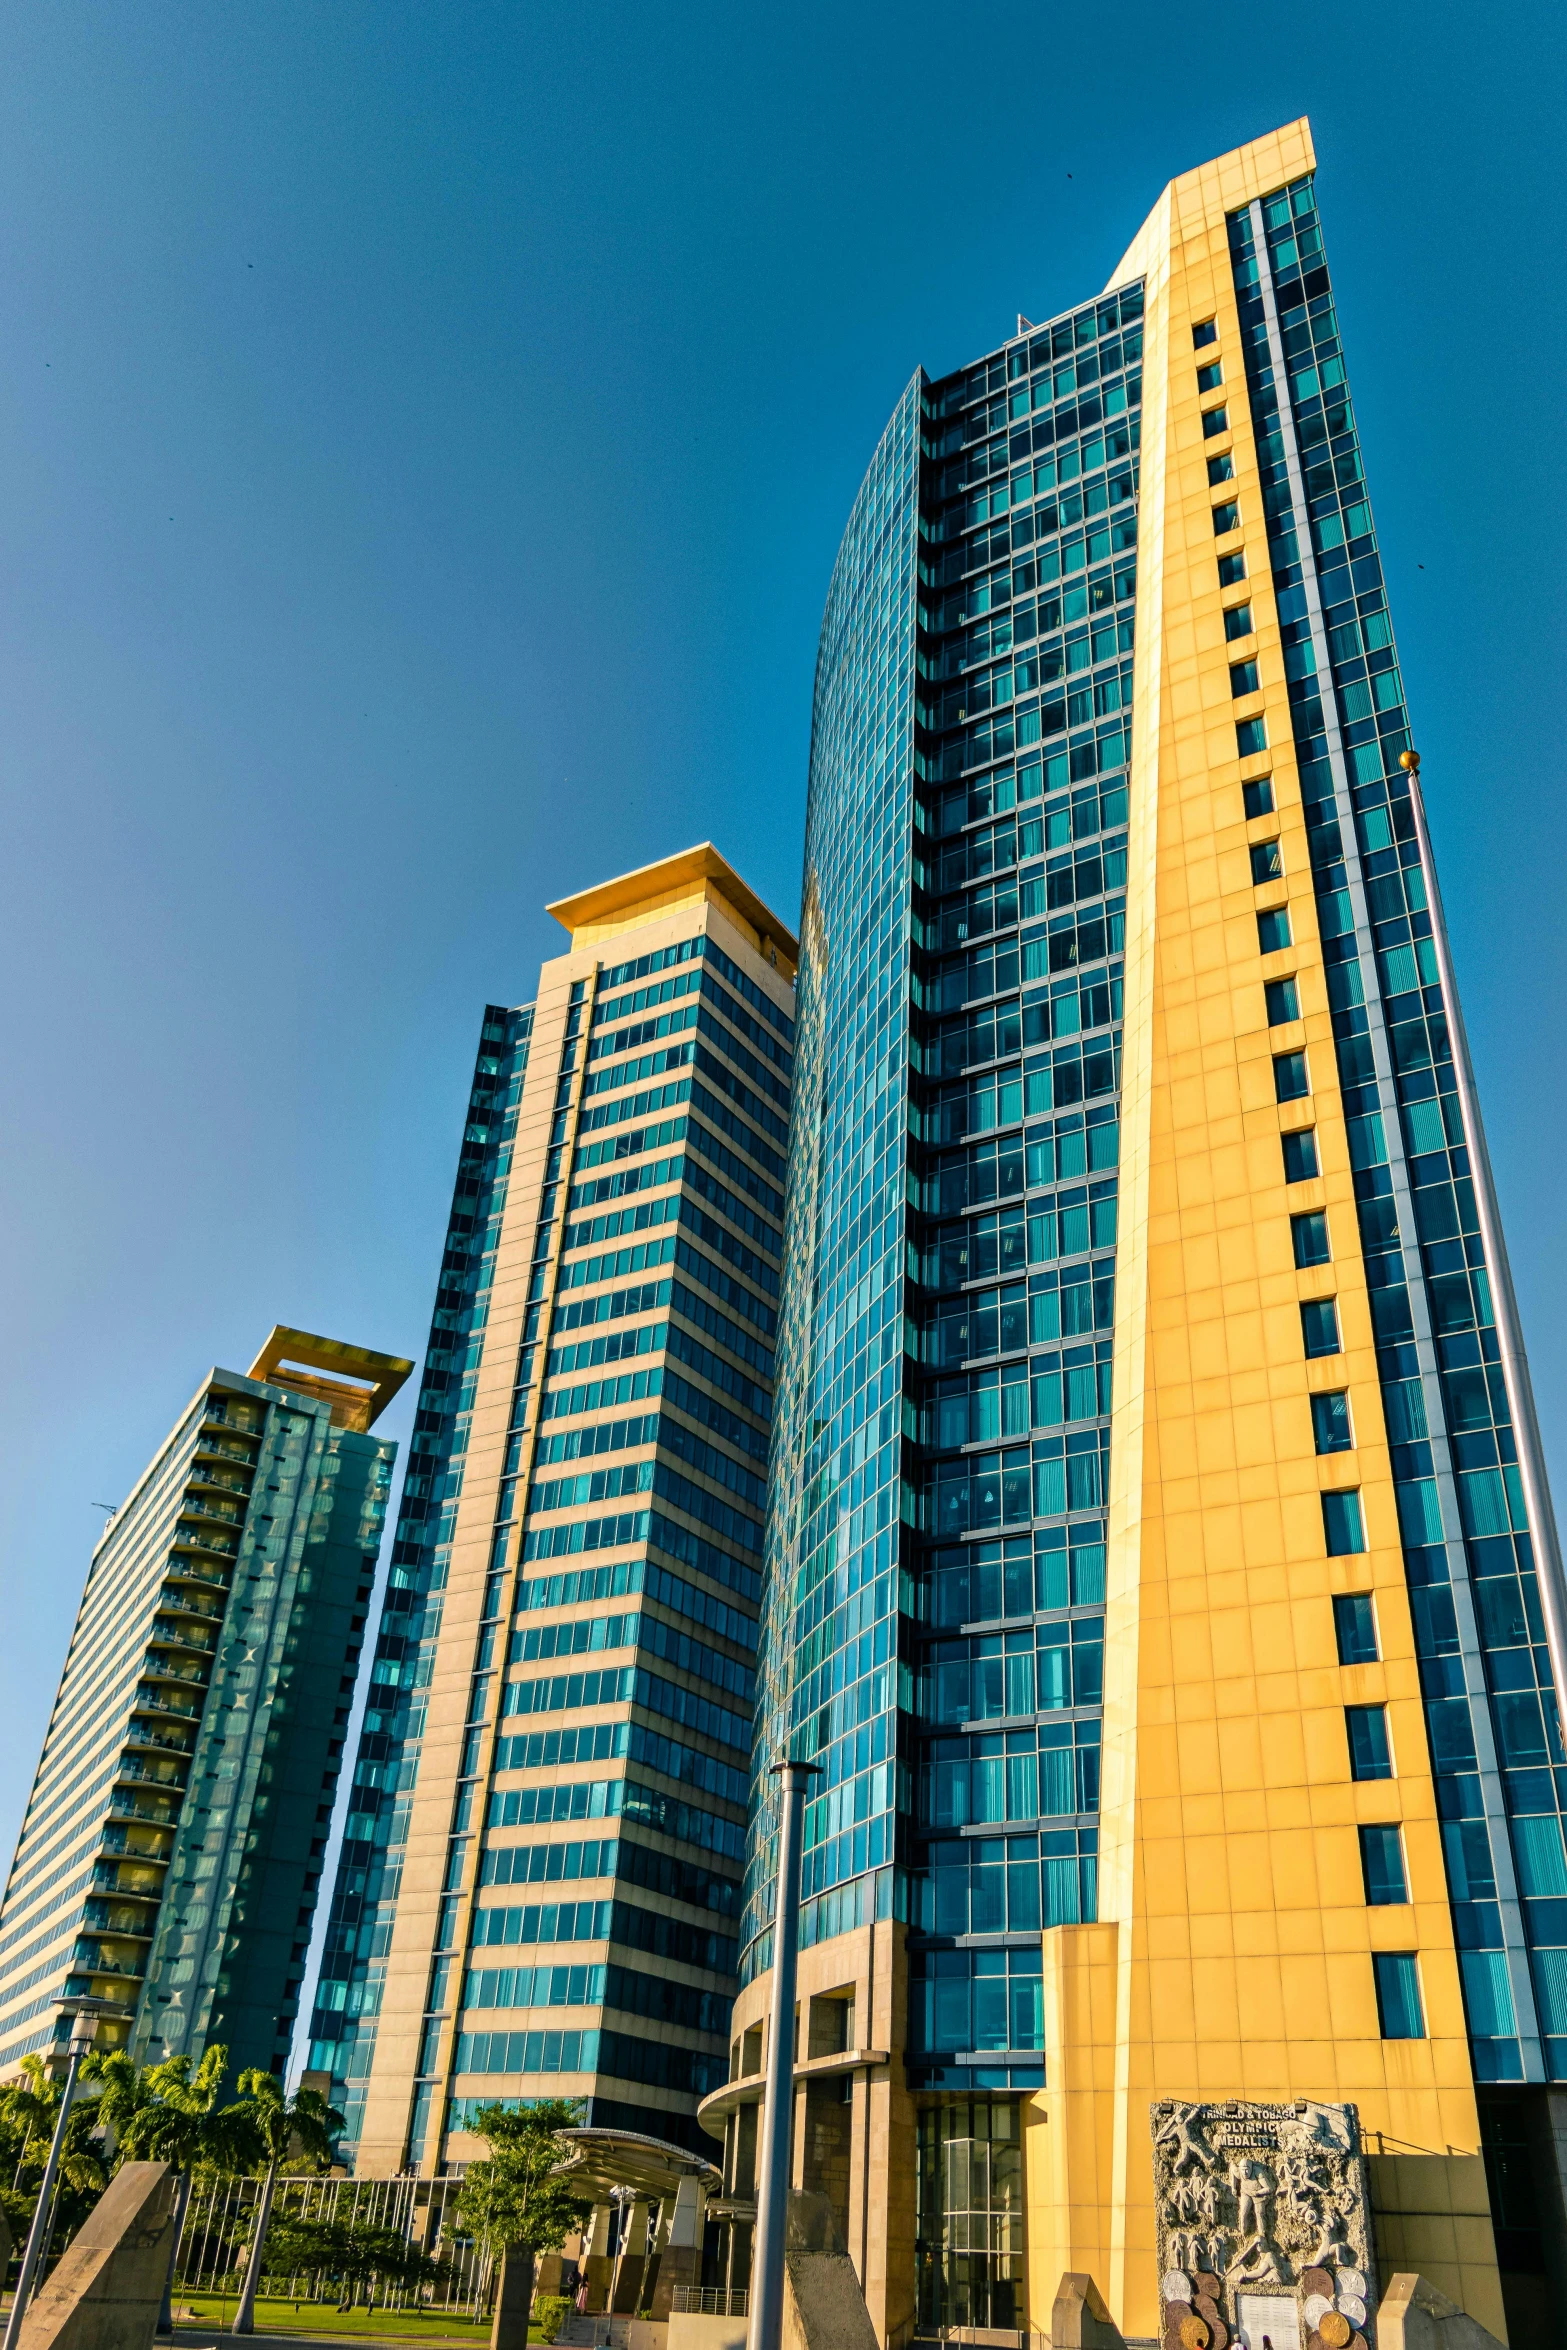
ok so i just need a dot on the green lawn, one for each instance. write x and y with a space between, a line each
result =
208 2311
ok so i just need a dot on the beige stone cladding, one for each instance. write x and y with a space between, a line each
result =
695 894
868 1968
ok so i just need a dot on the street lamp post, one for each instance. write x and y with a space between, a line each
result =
84 2030
772 2156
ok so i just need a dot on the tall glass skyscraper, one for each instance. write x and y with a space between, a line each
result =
540 1887
171 1851
375 1831
1159 1566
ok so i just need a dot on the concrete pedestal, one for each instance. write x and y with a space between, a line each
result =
106 2291
513 2300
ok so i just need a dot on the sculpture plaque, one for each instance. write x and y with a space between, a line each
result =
1264 2226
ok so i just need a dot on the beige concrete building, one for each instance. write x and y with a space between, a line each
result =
540 1892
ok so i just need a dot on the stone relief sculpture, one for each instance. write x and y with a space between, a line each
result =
1263 2220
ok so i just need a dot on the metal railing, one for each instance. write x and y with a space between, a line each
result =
218 2226
970 2337
711 2301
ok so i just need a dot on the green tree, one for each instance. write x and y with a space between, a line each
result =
299 2247
378 2255
169 2112
298 2130
348 2250
516 2204
28 2108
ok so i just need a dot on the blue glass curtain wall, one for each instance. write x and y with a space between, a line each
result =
1018 912
828 1682
934 1634
364 1894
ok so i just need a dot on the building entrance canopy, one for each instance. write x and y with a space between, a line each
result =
601 2160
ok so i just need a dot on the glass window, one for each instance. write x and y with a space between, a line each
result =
1382 1866
1267 862
1330 1423
1215 421
1342 1524
1355 1628
1243 677
1238 622
1226 517
1220 469
1404 1403
1273 930
1251 736
1398 1994
1319 1326
1282 1000
1210 378
1291 1078
1370 1756
1232 570
1300 1156
1203 333
1309 1237
1488 1994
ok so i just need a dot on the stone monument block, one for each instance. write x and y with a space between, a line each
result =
824 2307
107 2289
1263 2216
1415 2316
1079 2319
513 2299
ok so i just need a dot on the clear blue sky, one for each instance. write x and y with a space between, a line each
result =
424 438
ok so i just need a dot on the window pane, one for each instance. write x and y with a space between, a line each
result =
1370 1756
1309 1233
1382 1864
1542 1864
1354 1623
1319 1326
1330 1422
1398 1994
1488 1994
1550 1982
1300 1156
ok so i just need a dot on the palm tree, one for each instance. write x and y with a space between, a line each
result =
28 2108
167 2113
303 2125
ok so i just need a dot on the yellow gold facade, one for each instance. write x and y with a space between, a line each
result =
1233 1959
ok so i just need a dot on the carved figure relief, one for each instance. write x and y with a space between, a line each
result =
1261 2209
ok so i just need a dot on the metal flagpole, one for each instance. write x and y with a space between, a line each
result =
84 2030
777 2132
